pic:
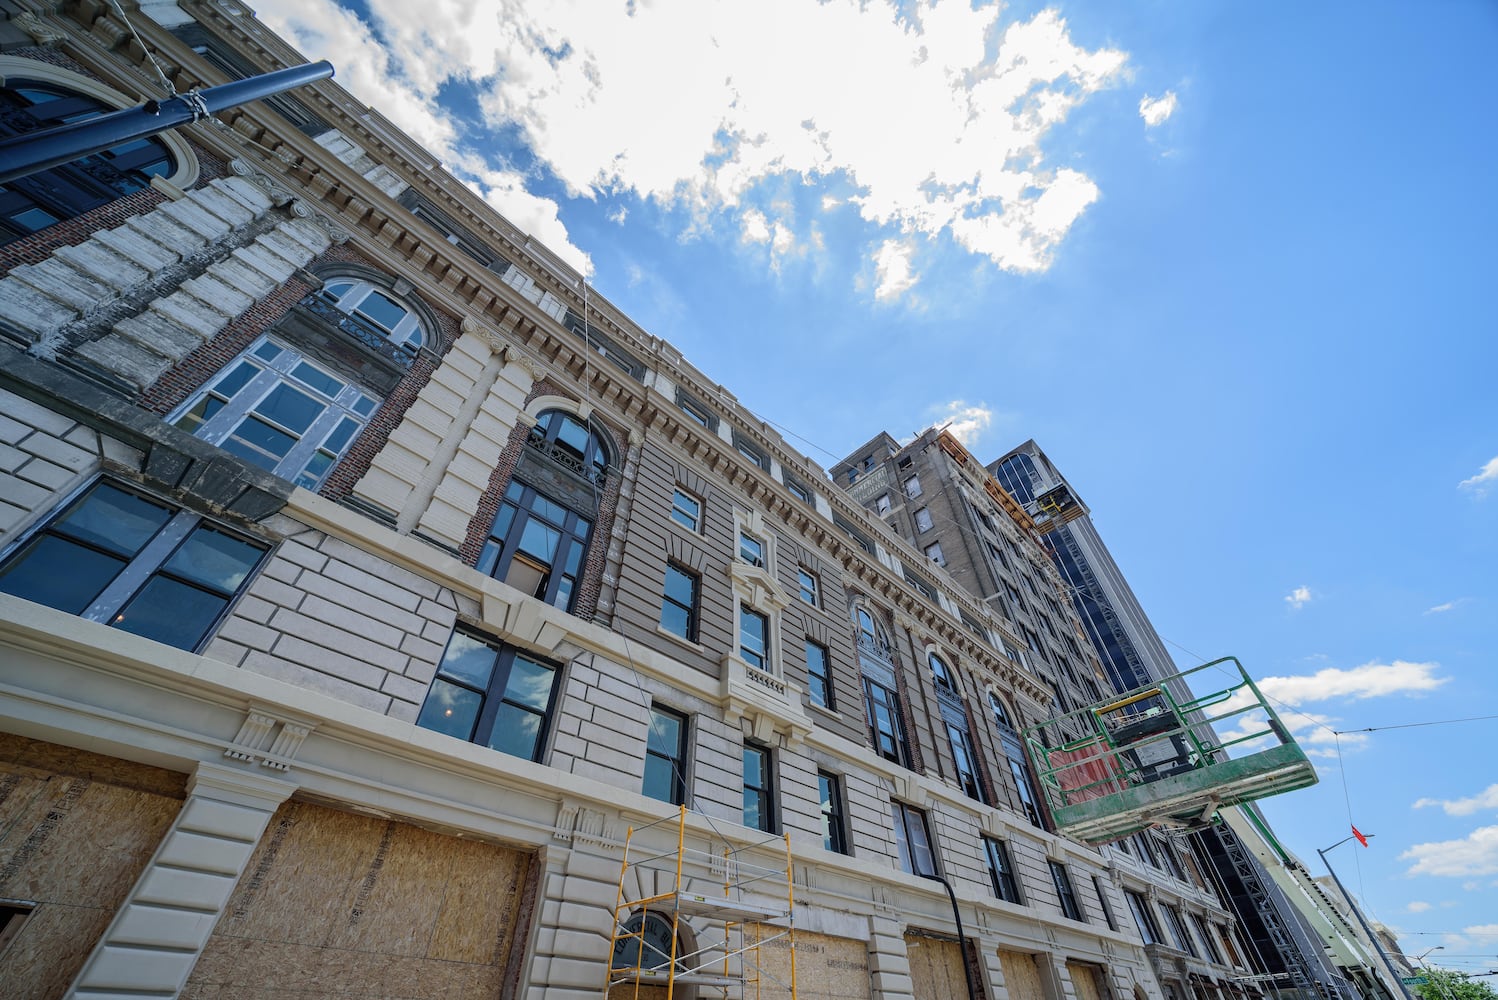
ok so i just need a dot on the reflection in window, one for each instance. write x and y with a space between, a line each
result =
679 603
536 546
39 200
818 675
666 756
570 442
913 839
134 563
274 409
886 728
834 823
491 694
759 801
377 308
754 638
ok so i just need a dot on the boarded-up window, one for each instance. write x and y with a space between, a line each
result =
935 968
338 905
76 830
827 968
1021 976
1086 981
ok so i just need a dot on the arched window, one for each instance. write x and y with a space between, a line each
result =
49 196
939 671
379 316
870 635
1019 764
567 440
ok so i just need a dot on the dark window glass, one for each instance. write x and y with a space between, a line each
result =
1178 932
759 803
1001 871
754 638
1206 938
886 728
572 444
1062 880
536 545
967 768
491 694
679 604
751 549
834 824
41 199
818 675
133 563
809 588
939 671
1102 902
665 756
913 838
1143 918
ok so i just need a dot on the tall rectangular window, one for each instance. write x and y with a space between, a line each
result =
274 409
1144 919
1102 902
1001 871
913 839
1178 932
751 549
935 554
810 589
881 504
885 725
923 519
491 694
135 563
967 766
1062 880
834 822
666 756
818 675
759 799
679 603
913 487
686 510
536 545
754 638
1206 938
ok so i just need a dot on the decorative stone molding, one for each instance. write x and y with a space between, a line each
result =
770 705
577 824
260 741
40 31
335 233
277 194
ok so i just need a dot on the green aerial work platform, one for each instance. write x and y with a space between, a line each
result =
1153 756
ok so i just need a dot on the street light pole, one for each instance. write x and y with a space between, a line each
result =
1358 912
1441 987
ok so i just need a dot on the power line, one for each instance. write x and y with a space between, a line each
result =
1415 725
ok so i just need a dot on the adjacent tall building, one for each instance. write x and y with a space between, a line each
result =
368 582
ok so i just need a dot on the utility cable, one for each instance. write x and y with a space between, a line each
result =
1415 725
166 84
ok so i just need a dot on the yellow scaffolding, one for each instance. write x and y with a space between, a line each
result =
639 954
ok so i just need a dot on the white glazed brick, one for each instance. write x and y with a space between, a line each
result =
190 314
216 202
189 215
275 267
147 253
165 231
239 275
218 294
157 334
308 233
246 193
65 283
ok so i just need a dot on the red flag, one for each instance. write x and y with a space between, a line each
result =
1361 839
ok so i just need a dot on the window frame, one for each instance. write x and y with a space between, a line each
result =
1001 872
690 520
941 674
748 542
811 586
761 786
1103 904
899 752
1066 895
964 750
935 554
907 821
141 567
494 694
1178 931
1144 919
676 762
834 814
241 405
922 519
912 485
764 656
819 682
497 557
406 335
692 610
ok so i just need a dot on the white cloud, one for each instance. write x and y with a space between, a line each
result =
966 422
1371 680
892 274
938 128
1439 608
1474 854
1484 480
1156 110
617 215
1485 799
1417 907
1298 598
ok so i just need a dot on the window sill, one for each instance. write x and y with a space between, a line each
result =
688 643
831 713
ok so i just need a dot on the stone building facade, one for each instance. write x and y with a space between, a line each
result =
366 579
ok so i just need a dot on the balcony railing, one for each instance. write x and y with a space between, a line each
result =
567 458
370 336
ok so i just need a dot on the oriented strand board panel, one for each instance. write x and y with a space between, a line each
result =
76 830
338 905
1021 976
1085 980
826 967
935 968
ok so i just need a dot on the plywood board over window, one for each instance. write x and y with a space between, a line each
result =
935 968
827 968
1086 981
338 905
1021 976
76 830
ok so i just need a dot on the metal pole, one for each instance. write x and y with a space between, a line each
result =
1358 912
35 151
967 973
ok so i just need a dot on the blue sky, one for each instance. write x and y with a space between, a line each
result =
1231 265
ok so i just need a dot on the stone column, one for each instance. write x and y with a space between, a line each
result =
156 937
